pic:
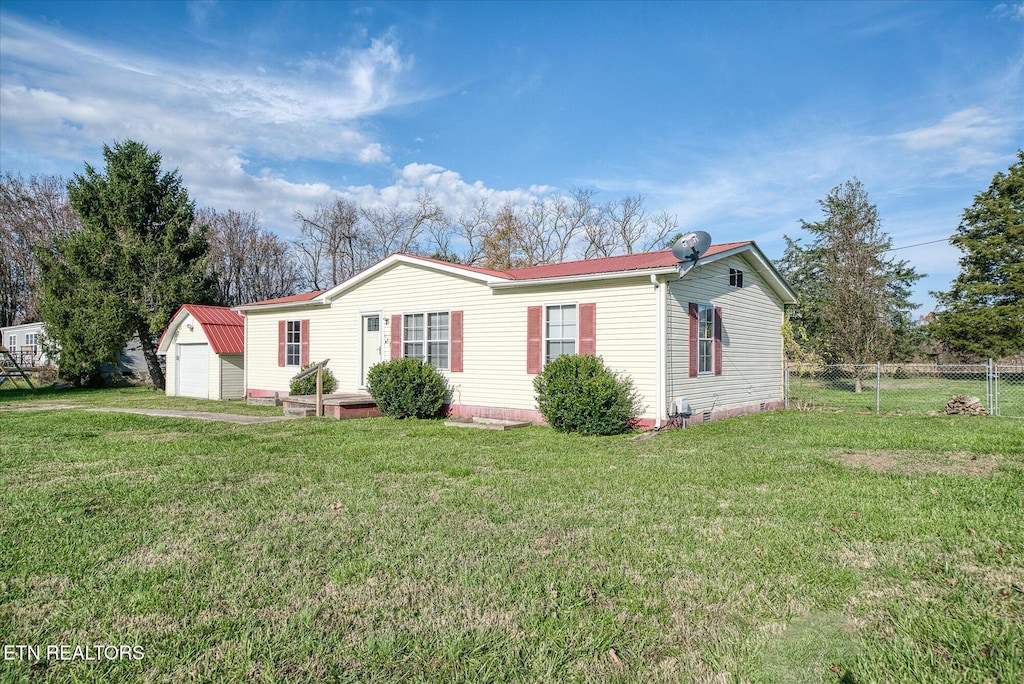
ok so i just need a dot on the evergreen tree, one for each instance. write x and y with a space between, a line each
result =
135 260
982 315
854 299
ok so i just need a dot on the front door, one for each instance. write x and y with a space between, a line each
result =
370 346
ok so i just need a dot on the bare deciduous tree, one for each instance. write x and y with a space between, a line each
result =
253 264
472 226
33 213
396 228
334 243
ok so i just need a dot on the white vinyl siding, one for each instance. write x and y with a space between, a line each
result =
494 332
751 340
232 378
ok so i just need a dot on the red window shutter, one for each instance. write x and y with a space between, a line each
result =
693 340
534 339
588 329
455 347
281 332
718 340
396 336
304 342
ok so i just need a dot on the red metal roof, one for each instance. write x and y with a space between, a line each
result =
224 328
625 262
291 298
615 264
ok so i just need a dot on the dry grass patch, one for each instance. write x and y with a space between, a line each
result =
910 462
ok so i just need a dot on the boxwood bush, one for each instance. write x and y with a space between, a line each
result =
579 394
307 385
407 388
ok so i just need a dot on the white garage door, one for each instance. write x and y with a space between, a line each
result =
193 370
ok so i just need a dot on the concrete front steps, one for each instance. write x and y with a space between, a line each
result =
487 423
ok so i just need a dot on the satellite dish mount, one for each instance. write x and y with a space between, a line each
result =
689 249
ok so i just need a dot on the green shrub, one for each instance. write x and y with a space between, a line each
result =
407 388
307 385
579 394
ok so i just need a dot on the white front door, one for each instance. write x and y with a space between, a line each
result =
193 370
370 346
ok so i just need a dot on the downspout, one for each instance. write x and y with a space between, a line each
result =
659 345
245 356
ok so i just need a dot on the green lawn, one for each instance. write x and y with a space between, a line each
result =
778 547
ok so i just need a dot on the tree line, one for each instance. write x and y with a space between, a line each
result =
111 254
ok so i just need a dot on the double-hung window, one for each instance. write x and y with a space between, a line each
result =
32 341
293 343
705 338
12 342
560 331
426 336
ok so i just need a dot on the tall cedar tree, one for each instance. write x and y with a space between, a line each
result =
135 260
982 315
854 299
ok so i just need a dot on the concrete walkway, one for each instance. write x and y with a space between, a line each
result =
197 415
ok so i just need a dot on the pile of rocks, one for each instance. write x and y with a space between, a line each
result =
965 405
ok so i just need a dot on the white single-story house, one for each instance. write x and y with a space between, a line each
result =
204 348
24 342
709 340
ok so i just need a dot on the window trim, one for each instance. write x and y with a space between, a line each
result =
544 331
289 345
426 341
703 307
736 277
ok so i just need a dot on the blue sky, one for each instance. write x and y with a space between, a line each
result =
736 117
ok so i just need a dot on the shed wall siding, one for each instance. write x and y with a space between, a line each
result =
232 379
752 364
494 332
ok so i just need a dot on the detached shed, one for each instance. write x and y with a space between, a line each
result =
204 347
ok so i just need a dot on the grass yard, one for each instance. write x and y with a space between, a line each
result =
777 547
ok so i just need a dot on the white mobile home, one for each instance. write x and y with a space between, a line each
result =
711 338
24 342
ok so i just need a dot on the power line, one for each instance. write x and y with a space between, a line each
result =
919 244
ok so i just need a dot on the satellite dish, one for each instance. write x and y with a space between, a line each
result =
690 246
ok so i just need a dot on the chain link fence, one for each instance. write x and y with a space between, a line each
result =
906 388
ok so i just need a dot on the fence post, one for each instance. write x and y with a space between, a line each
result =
995 411
878 387
785 380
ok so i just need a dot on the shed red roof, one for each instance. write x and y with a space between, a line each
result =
224 328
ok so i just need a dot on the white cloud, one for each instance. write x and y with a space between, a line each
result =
1012 10
105 93
972 126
